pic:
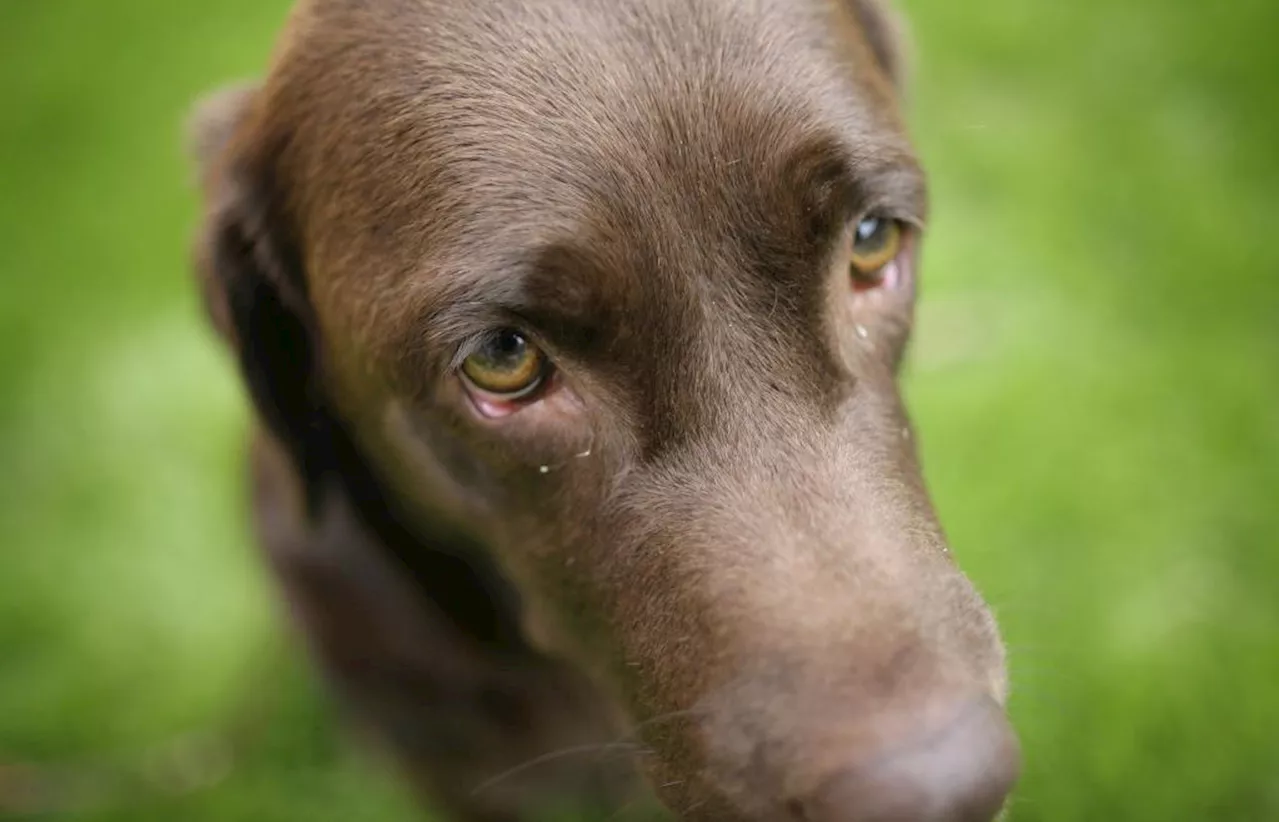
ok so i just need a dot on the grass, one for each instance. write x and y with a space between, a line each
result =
1093 382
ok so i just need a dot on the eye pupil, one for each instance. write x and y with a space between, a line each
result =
871 234
505 363
876 242
506 345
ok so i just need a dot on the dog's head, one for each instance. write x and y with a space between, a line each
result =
619 290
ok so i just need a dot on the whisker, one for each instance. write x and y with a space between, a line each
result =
692 807
667 717
551 756
623 744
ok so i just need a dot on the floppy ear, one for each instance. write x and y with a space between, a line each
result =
887 35
253 284
255 290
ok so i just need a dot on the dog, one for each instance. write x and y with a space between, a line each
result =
572 328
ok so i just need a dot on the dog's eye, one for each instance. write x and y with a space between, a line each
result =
876 241
505 365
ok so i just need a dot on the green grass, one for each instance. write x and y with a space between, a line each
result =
1094 382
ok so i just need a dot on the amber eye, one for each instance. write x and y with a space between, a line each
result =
876 241
505 365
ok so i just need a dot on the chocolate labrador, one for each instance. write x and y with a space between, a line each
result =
572 329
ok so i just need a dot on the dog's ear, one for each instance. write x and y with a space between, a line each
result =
255 288
211 127
887 35
252 280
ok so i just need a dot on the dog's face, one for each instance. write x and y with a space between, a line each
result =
620 290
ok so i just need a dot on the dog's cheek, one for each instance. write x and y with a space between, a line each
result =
426 453
500 474
530 519
529 491
555 542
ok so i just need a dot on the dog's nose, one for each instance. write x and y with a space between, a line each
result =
961 772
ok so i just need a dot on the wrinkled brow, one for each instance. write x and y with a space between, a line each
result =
839 182
560 291
572 297
591 285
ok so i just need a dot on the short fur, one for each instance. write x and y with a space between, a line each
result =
714 543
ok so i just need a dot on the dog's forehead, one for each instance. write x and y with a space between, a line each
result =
441 147
431 113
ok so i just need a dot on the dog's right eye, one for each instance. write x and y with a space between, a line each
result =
876 242
505 366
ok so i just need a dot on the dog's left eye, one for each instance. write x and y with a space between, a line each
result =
876 242
505 365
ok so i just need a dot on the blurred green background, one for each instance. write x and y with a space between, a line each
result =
1094 381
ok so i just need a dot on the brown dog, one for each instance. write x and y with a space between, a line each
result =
572 326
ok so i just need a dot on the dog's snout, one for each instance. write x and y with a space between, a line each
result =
961 772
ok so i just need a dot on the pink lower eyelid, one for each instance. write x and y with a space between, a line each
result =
890 276
493 409
496 406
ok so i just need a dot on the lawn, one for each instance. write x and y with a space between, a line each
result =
1092 379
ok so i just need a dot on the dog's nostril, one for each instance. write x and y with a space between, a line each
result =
962 773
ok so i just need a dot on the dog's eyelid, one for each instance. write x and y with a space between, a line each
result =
907 210
463 350
887 211
913 222
896 192
465 346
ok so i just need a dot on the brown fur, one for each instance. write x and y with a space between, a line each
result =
716 538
